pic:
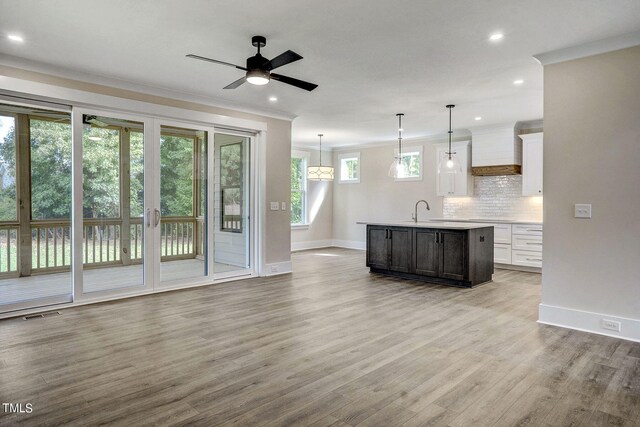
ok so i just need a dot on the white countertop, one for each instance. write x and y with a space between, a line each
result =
458 225
497 220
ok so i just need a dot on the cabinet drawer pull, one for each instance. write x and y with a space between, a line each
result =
533 243
534 229
534 259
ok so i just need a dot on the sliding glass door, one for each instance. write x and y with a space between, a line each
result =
35 207
96 204
232 201
184 178
113 203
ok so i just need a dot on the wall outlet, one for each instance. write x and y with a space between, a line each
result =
274 206
274 269
283 206
612 325
582 211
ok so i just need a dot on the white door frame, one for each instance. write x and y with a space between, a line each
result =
145 112
77 219
50 300
204 279
254 204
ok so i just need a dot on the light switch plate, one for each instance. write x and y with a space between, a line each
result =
274 206
582 211
283 206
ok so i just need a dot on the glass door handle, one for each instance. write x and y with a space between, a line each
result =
157 217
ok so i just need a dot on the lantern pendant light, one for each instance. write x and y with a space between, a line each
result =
449 164
320 173
397 168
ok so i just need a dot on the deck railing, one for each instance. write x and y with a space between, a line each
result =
8 249
50 245
104 243
177 238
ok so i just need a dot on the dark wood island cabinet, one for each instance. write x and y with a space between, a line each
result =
446 253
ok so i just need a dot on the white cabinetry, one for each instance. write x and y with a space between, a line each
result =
501 243
454 184
532 164
526 245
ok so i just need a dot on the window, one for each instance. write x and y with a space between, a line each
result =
8 189
231 187
299 162
349 167
176 173
412 160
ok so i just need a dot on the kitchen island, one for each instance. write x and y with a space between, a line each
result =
447 253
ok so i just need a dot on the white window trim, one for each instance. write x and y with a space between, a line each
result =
305 202
412 149
348 156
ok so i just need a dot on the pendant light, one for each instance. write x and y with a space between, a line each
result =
397 168
450 164
320 173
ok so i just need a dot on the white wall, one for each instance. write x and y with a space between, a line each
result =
592 155
379 197
319 231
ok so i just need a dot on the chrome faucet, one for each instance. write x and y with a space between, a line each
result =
414 217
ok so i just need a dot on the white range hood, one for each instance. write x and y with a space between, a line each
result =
496 150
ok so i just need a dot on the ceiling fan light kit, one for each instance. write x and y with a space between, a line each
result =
257 77
258 68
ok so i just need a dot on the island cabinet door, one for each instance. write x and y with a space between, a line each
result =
426 252
400 249
377 247
453 255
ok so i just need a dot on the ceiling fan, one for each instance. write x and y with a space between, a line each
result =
259 68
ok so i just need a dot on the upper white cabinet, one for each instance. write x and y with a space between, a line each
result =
455 184
532 164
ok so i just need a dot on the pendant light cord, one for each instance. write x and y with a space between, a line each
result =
450 107
400 137
320 135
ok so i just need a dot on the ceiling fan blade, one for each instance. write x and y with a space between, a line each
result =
283 59
294 82
236 83
215 61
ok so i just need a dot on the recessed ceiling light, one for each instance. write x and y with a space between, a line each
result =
478 118
15 38
496 36
273 98
518 82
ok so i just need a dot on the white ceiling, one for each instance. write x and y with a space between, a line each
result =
370 58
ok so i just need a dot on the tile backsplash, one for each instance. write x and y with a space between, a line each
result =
495 197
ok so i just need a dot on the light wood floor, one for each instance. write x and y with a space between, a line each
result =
330 344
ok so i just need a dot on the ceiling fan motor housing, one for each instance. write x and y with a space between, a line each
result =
257 62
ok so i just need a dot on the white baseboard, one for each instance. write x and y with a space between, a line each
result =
518 268
588 321
318 244
350 244
315 244
277 268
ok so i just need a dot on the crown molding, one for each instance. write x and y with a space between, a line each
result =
589 49
83 77
461 135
